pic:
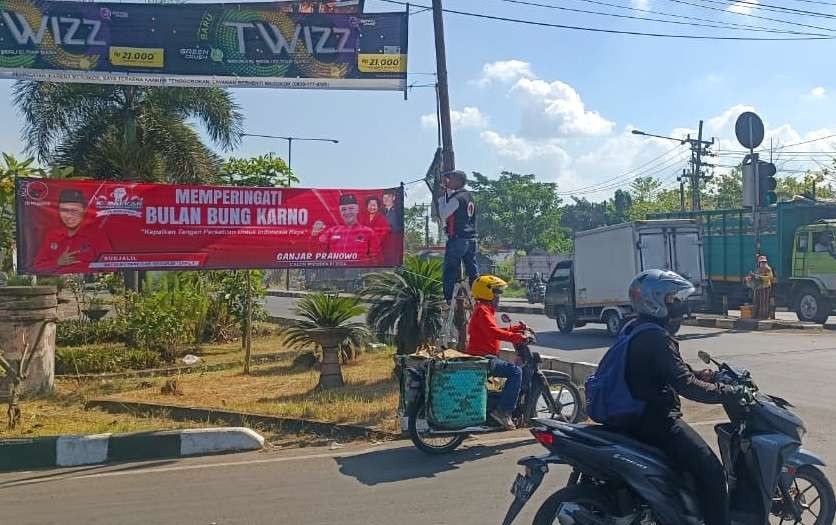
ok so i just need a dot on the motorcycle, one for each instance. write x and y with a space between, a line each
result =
618 481
535 292
544 394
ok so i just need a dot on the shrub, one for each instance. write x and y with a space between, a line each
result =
98 360
75 332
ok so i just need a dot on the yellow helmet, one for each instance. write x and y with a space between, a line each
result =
483 287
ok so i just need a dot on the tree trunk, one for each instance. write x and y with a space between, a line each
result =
331 374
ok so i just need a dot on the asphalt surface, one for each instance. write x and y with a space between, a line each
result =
393 482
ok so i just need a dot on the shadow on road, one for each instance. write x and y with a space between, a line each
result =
693 337
399 464
53 474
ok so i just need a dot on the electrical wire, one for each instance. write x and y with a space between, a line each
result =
779 20
692 24
630 172
622 32
684 17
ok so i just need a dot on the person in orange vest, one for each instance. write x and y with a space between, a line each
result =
763 291
483 337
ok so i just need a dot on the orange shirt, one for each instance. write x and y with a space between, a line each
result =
484 335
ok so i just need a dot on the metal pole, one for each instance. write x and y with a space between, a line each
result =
289 167
448 161
248 332
695 183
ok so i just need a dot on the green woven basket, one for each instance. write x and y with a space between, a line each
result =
456 393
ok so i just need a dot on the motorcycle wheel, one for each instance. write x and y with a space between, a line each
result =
569 402
814 494
591 498
429 444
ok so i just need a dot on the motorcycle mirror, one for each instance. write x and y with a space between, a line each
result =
704 356
505 318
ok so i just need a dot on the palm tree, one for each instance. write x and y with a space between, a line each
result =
408 301
116 132
328 325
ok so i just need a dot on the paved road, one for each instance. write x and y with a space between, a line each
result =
797 366
393 483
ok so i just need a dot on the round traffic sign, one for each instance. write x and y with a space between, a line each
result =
749 130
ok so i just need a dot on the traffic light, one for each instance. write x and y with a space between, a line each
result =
767 183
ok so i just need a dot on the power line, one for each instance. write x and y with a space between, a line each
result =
779 20
616 31
684 17
615 15
625 175
676 163
770 7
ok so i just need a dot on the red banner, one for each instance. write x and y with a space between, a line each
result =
71 226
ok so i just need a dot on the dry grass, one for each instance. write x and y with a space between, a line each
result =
62 413
282 389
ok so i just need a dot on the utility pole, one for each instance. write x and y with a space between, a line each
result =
682 178
699 147
448 160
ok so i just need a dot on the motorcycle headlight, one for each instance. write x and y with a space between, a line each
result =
801 432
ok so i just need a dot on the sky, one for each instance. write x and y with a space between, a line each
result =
558 103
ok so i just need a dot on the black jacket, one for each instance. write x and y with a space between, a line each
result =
657 375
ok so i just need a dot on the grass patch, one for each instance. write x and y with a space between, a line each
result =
279 388
370 396
114 357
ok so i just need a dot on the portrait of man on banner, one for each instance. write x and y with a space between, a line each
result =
71 246
358 242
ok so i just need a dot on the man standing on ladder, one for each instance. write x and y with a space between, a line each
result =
457 209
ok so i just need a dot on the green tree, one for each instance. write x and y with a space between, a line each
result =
407 302
789 187
725 191
117 132
519 212
649 196
415 227
265 170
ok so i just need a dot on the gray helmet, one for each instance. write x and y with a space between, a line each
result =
653 291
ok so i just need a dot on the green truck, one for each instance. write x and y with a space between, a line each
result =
799 238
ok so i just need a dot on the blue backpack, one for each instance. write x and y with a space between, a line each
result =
608 398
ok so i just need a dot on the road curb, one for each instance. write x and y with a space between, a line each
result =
72 451
751 325
285 424
577 371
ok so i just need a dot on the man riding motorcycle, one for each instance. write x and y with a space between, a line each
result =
483 337
657 375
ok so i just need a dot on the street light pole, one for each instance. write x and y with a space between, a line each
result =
290 140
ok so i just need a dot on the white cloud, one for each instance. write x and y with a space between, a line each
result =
505 71
640 4
556 109
521 149
818 92
743 8
468 117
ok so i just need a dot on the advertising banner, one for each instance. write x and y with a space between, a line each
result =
271 45
323 6
72 226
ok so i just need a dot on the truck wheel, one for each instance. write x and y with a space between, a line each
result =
565 323
613 321
810 306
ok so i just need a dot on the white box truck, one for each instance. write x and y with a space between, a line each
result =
592 286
